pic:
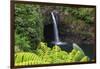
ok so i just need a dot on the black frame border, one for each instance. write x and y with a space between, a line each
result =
12 39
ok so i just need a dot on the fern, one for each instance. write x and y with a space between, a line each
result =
46 55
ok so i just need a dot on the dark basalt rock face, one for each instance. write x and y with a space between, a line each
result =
48 33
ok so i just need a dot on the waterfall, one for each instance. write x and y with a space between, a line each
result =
55 28
56 33
63 45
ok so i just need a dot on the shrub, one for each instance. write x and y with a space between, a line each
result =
29 23
46 55
21 43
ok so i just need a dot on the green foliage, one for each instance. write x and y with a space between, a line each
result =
30 19
56 49
46 55
84 59
76 47
85 14
29 23
21 43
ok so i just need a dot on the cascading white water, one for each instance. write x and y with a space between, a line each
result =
56 33
63 45
55 28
